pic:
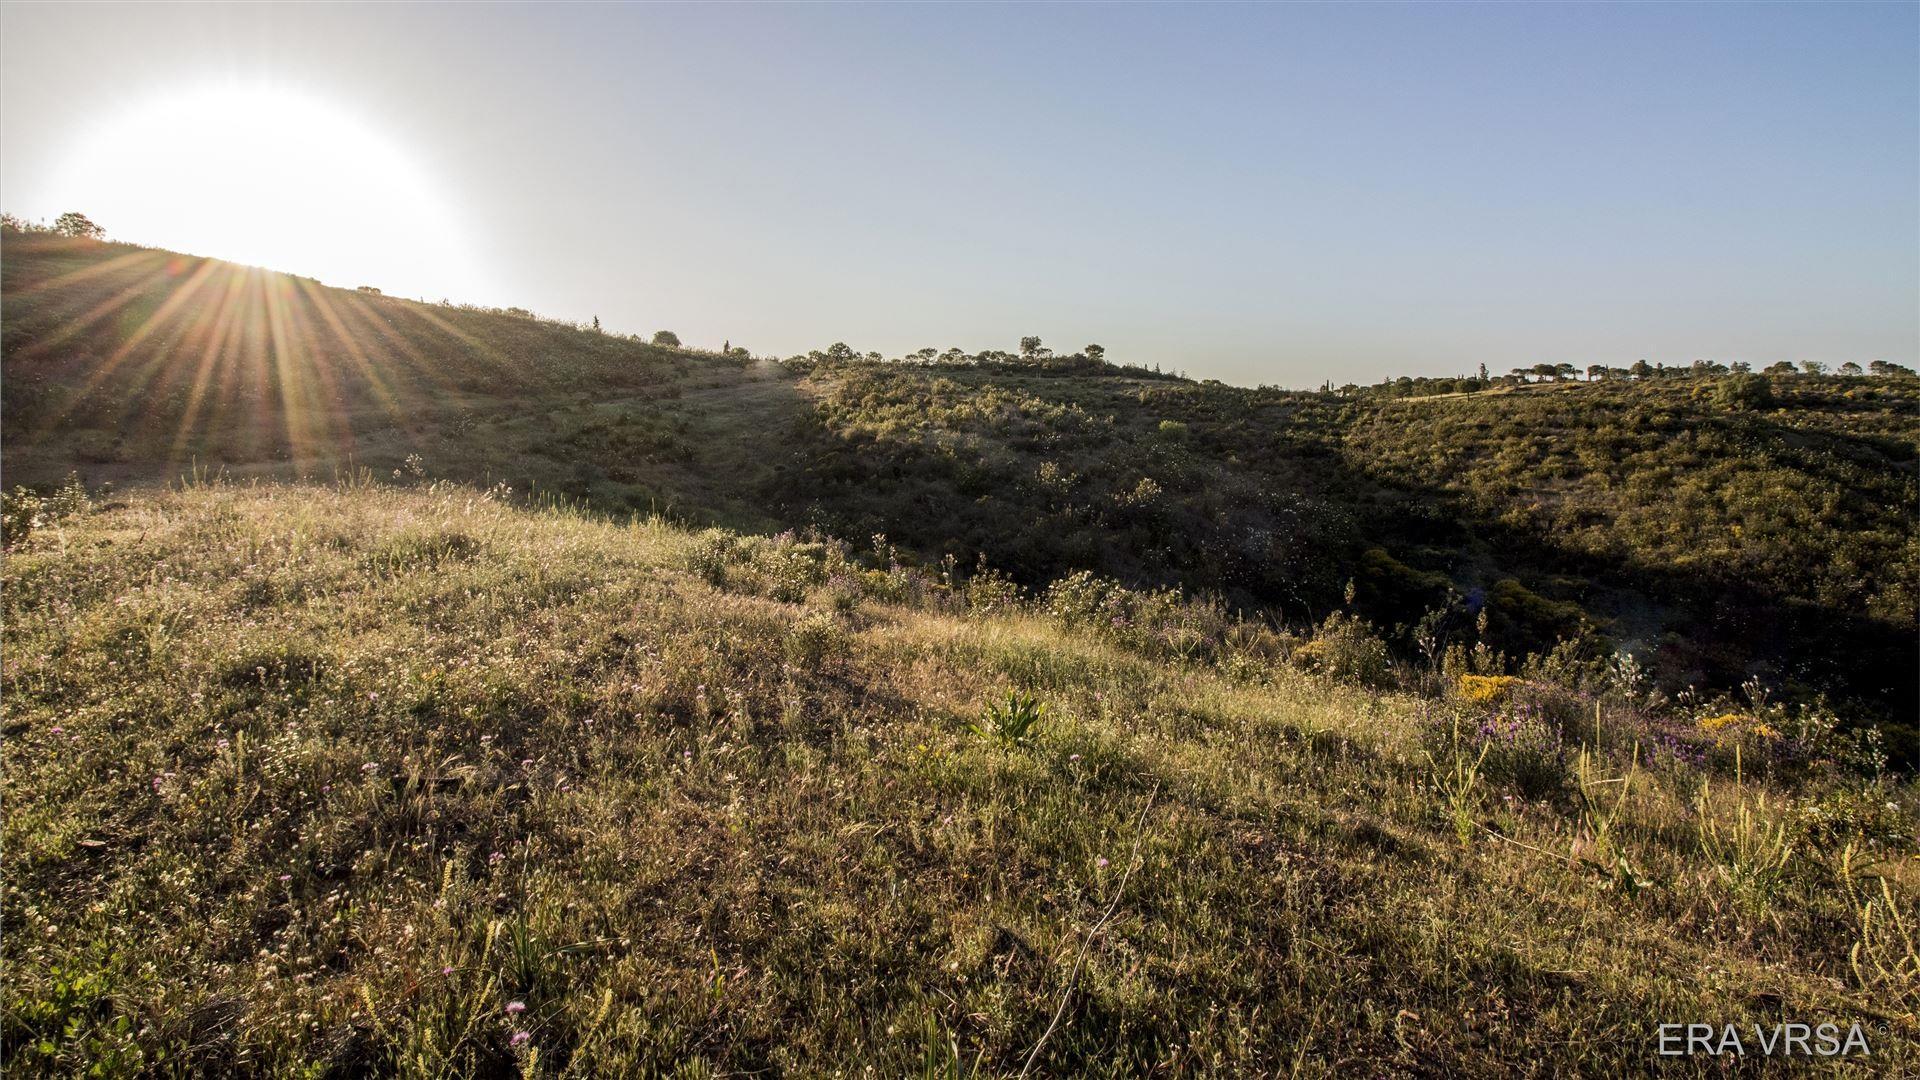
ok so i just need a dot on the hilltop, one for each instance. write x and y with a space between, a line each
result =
1717 537
408 778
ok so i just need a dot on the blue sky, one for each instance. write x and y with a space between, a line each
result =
1279 194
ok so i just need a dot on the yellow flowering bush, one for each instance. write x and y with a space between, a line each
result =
1486 689
1730 727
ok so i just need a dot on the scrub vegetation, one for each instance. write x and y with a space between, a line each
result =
406 688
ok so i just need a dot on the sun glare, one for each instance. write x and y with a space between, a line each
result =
274 178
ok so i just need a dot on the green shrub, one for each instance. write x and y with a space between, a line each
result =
1345 647
1745 391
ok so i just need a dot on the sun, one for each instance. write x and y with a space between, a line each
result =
271 177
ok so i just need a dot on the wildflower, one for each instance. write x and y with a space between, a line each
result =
59 730
1486 689
1101 862
448 970
521 1038
515 1008
221 745
492 860
286 878
1074 758
370 766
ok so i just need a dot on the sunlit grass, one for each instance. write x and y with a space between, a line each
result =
339 776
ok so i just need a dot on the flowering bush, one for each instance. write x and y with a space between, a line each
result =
1727 728
1524 749
1486 689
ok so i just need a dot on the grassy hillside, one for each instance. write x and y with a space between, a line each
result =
131 365
407 778
1719 538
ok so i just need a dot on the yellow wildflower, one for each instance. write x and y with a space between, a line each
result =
1486 689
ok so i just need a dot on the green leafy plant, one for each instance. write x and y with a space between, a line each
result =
1011 724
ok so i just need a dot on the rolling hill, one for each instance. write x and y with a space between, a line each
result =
396 688
1715 542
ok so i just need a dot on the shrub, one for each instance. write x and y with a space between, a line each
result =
1744 391
990 590
22 510
1486 689
1525 750
1160 621
816 638
712 552
1346 648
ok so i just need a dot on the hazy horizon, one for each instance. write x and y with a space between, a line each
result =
1261 195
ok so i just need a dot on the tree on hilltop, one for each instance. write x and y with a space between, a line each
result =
76 224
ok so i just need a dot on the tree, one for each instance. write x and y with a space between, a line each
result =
1888 367
666 339
596 324
1031 349
1565 371
1483 371
1851 368
1641 369
1780 367
1095 353
1813 367
76 224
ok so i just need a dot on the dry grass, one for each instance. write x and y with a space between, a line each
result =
317 781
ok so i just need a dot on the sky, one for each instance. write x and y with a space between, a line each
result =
1261 194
